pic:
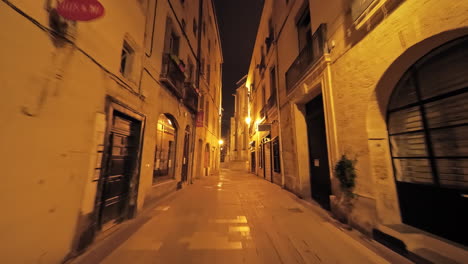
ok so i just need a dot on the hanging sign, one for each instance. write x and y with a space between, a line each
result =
264 127
200 120
80 10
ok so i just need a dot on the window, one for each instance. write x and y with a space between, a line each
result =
172 39
189 70
195 27
166 136
207 112
428 120
208 73
276 156
304 29
174 44
126 59
358 8
202 102
273 82
202 66
183 24
271 35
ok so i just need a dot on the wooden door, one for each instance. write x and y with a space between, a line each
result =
318 153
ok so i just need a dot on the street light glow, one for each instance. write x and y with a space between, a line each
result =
221 142
248 120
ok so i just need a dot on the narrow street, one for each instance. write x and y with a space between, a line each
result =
239 218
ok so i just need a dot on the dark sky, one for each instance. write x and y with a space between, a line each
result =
238 22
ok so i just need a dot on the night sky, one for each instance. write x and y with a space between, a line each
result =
238 22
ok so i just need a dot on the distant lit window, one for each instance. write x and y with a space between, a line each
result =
126 59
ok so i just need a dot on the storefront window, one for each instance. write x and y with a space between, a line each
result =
165 149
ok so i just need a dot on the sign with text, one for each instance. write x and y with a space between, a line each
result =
80 10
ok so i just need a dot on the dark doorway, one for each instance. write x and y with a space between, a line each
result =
267 168
185 159
318 152
428 132
252 162
120 170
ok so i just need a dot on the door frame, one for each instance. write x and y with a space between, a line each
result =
314 177
112 105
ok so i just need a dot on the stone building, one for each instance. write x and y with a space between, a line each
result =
384 83
239 133
112 110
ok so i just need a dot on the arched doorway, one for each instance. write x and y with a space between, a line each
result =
207 159
165 152
185 158
427 119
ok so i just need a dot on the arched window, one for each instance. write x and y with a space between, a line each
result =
428 131
165 153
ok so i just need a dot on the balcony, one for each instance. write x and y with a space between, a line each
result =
191 97
171 75
310 54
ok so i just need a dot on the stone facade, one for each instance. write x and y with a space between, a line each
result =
63 83
364 56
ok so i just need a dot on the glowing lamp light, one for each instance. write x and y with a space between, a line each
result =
221 142
248 120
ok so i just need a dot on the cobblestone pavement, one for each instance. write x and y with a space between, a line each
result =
239 218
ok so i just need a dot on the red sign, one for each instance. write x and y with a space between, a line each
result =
200 116
80 10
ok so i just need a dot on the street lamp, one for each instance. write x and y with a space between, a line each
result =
221 142
248 120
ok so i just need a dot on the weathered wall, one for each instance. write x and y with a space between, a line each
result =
359 66
51 99
54 114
